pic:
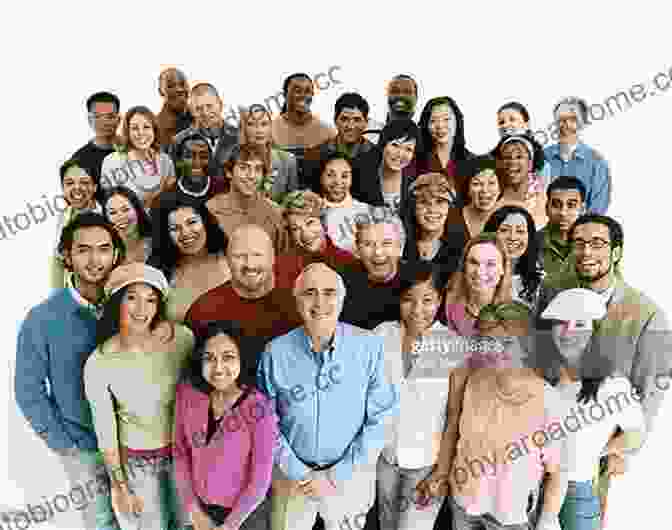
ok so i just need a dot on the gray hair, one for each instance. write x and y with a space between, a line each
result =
341 290
380 215
574 100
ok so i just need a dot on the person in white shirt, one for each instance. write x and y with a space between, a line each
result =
413 363
613 420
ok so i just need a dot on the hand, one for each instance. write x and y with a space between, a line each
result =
548 521
435 485
200 520
317 486
124 501
615 465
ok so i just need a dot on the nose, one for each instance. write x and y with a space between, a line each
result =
567 328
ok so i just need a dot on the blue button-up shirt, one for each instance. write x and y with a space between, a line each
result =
589 167
331 405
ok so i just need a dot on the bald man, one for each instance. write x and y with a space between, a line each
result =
252 298
174 116
332 398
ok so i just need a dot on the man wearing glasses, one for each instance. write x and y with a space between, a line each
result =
103 115
635 332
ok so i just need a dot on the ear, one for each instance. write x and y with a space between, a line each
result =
67 261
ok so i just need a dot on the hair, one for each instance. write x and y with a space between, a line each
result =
285 86
615 229
204 88
165 254
516 324
573 100
144 222
245 152
407 77
144 111
192 372
102 97
401 129
324 162
456 290
471 168
109 324
516 107
378 216
183 151
567 183
528 264
537 157
89 220
75 162
414 272
245 115
459 150
351 100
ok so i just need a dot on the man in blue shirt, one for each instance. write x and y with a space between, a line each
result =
572 158
53 344
332 399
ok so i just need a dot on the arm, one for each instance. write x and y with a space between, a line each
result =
182 454
30 385
285 458
382 401
458 383
264 432
600 187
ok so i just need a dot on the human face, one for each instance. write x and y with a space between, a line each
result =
418 306
175 90
246 176
511 119
442 124
514 163
564 208
592 264
431 213
200 157
379 249
483 267
571 337
92 255
398 154
401 87
336 180
207 110
105 119
250 256
140 132
317 298
121 214
258 128
351 123
187 230
78 188
512 233
567 125
139 306
221 362
306 231
300 94
484 190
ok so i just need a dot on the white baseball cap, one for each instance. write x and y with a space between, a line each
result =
576 304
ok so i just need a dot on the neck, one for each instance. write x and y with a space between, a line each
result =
387 278
479 215
244 201
245 293
517 190
562 235
129 340
603 283
425 236
141 154
391 174
443 151
89 206
320 336
103 141
339 141
298 117
568 141
89 291
479 299
194 259
228 394
569 374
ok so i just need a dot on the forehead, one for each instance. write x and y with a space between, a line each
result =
589 230
300 82
402 142
568 110
338 164
251 159
566 195
117 200
421 288
205 98
258 115
401 86
484 252
250 240
514 147
173 76
141 288
197 145
441 111
91 236
139 119
319 278
102 107
221 343
515 219
76 171
379 232
182 214
509 113
560 322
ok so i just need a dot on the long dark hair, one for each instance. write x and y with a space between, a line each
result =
193 371
459 150
144 222
528 264
108 325
165 254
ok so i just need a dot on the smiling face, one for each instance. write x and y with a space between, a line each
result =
398 154
484 190
206 109
250 255
418 306
92 255
336 180
140 132
187 230
512 233
431 212
139 306
564 208
317 298
175 90
200 157
571 338
511 119
379 249
594 255
306 232
514 162
442 124
78 188
221 362
246 176
121 214
483 267
351 123
300 93
258 128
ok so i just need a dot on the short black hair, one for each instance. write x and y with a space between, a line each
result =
102 97
615 228
75 162
397 129
193 371
412 273
567 183
144 222
351 100
90 220
537 158
287 81
517 107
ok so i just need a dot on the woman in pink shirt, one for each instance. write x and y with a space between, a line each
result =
225 432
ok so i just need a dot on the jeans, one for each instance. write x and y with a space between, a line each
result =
464 521
581 509
259 519
396 495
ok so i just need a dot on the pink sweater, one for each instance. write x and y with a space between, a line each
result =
234 469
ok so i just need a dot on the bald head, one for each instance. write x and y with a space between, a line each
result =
174 88
251 257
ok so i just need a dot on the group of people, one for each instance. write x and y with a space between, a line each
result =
287 325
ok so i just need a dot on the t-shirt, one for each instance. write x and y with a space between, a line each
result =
369 304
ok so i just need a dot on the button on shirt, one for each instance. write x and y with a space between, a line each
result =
332 405
589 167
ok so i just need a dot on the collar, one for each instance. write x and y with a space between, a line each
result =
553 242
580 151
328 352
84 304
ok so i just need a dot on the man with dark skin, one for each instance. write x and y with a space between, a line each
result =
174 116
402 96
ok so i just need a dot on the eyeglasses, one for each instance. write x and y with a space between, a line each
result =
108 116
594 244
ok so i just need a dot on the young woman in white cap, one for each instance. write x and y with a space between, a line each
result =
615 422
130 382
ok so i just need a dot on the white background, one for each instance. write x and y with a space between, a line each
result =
481 54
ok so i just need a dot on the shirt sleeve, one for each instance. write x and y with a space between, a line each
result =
99 395
31 382
167 166
110 163
285 457
600 192
631 416
182 454
264 434
382 401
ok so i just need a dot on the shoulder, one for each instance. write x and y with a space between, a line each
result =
114 158
283 342
165 159
612 386
386 328
183 134
592 153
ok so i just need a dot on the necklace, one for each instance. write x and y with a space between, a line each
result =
201 193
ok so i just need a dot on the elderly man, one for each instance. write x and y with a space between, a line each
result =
332 424
174 115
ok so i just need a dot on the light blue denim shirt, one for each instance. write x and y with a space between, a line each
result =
332 406
589 167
